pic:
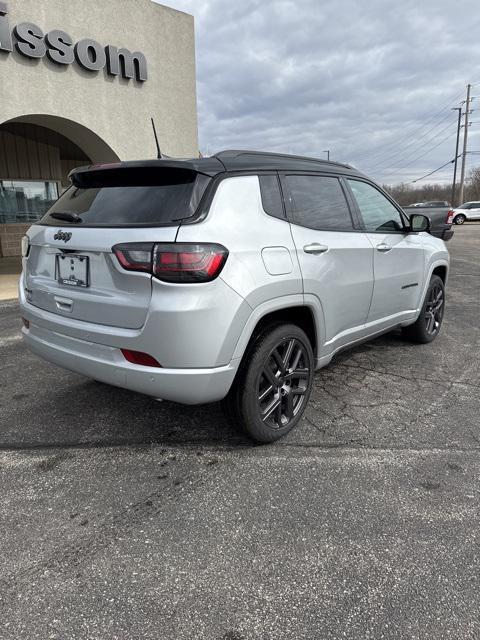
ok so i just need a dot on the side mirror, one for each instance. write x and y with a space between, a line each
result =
419 223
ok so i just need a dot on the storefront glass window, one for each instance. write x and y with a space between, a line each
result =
25 201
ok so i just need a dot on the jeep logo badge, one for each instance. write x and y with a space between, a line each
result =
62 235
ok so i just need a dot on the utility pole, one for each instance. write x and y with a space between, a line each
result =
465 136
327 151
454 184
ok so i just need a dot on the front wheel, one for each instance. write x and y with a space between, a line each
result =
460 219
273 386
428 324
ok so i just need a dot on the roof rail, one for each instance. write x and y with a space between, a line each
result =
233 153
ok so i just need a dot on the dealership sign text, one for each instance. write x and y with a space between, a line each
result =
30 41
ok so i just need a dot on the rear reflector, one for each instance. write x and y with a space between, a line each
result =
450 215
181 262
138 357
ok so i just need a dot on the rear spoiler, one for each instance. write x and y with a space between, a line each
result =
207 166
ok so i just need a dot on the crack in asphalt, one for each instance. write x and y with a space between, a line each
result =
415 378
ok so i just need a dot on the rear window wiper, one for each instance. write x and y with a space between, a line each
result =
68 217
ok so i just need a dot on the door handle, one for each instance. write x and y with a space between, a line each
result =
315 248
383 247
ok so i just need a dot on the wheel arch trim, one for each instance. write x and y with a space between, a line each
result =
279 304
433 265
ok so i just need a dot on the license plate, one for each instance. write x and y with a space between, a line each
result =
72 270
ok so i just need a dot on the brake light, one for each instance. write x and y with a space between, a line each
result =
138 357
450 215
183 262
188 262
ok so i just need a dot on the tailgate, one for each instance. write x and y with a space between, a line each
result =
110 296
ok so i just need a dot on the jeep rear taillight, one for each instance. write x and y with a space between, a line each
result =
186 262
450 215
182 262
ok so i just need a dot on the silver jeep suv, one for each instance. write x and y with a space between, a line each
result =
228 278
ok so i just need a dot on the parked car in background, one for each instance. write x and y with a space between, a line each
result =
431 203
467 211
441 219
227 278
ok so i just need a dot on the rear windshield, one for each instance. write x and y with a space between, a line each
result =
128 197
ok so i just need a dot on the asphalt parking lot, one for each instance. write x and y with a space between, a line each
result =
122 517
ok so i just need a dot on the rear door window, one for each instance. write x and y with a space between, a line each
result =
129 197
318 202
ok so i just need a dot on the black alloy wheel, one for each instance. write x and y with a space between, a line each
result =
434 309
428 324
273 384
283 383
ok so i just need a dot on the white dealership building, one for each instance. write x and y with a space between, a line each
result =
79 83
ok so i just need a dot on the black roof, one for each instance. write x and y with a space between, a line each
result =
233 160
243 160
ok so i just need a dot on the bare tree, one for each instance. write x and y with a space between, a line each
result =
473 184
406 194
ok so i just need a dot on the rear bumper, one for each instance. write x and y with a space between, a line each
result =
107 364
186 327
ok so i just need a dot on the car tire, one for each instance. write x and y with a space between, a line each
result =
267 399
459 219
429 322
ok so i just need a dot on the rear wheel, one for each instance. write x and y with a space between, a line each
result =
273 385
459 219
429 322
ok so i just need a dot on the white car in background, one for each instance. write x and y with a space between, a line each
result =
467 211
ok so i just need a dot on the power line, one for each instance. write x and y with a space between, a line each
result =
428 151
413 151
434 171
442 167
406 136
412 143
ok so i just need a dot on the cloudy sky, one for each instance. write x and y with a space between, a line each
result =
371 80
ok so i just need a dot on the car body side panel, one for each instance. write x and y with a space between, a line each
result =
341 277
238 221
399 273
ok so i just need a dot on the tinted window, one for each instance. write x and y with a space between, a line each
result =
271 196
122 197
318 202
378 213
